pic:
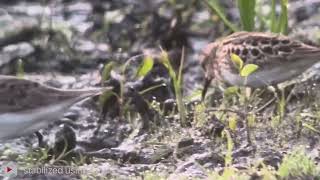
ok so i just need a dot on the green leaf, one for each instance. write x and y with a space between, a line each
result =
166 62
20 69
145 67
216 8
237 61
106 71
233 122
251 120
273 23
248 69
310 127
247 13
231 90
228 156
177 83
283 21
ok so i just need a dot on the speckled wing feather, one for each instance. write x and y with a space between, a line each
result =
266 49
23 95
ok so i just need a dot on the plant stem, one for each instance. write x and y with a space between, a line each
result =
178 91
247 95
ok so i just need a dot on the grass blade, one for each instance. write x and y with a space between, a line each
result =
216 8
107 71
145 66
273 23
177 83
283 21
247 13
20 69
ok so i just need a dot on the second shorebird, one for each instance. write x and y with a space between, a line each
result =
27 106
278 57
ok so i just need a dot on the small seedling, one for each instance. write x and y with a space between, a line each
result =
245 71
177 83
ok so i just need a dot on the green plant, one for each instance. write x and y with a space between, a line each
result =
228 156
267 172
177 83
247 13
107 71
281 106
279 25
34 157
152 176
247 9
233 122
229 173
200 116
20 69
145 66
298 164
245 71
216 8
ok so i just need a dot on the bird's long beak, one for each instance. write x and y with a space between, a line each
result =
207 82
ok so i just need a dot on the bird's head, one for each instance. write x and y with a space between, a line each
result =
206 59
207 55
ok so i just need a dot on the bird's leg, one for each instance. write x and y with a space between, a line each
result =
100 122
40 139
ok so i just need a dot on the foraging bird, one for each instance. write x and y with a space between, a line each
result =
279 58
27 106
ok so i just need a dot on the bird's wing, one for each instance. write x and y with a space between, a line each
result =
263 48
20 94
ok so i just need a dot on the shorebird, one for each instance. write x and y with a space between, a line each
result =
279 58
27 106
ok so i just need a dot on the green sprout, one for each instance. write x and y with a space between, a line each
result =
244 70
177 83
248 12
230 145
298 164
145 66
20 69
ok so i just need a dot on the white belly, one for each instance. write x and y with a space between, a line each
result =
262 78
16 125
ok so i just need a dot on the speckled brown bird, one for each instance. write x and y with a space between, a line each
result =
279 58
27 106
